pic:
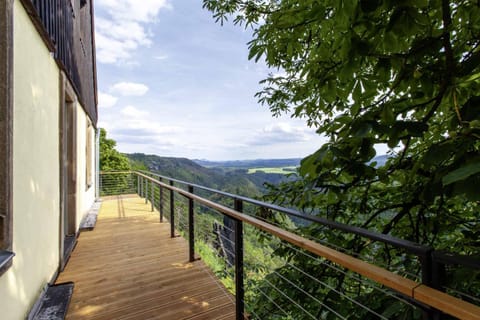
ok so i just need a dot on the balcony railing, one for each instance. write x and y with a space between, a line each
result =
279 273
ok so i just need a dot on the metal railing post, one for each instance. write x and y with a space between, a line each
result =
132 182
172 213
239 284
146 191
152 196
437 278
160 201
138 185
438 274
426 263
191 228
141 187
429 277
97 163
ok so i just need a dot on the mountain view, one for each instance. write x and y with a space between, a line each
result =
242 177
338 84
266 159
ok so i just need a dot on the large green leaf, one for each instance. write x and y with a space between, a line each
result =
461 173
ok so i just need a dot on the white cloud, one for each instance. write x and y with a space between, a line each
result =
135 122
142 11
133 126
282 132
116 40
110 50
132 112
161 57
122 31
106 100
129 89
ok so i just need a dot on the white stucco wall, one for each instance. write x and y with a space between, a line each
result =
85 196
35 171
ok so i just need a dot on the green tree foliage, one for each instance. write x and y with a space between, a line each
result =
368 73
110 158
137 165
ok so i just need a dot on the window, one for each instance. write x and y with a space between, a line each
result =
89 154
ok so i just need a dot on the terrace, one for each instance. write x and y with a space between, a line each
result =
129 267
136 265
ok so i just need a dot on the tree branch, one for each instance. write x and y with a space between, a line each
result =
447 22
449 60
378 212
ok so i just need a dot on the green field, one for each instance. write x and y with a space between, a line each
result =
281 170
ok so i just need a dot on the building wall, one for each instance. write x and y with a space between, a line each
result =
36 170
85 195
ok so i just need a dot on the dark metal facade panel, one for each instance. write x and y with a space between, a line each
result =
69 26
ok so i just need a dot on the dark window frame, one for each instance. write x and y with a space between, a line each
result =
89 152
6 134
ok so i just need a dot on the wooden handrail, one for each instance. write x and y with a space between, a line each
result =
446 303
417 291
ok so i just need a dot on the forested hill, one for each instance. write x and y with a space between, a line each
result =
228 176
257 163
234 179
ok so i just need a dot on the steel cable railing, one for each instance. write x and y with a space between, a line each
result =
116 183
297 280
265 211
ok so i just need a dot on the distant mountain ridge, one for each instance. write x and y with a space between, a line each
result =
381 160
179 168
254 163
229 176
231 179
267 163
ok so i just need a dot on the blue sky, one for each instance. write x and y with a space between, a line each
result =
172 82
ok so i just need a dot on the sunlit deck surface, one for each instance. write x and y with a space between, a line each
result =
128 267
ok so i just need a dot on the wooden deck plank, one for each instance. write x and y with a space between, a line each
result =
220 312
128 267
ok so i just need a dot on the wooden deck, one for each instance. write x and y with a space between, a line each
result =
128 267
